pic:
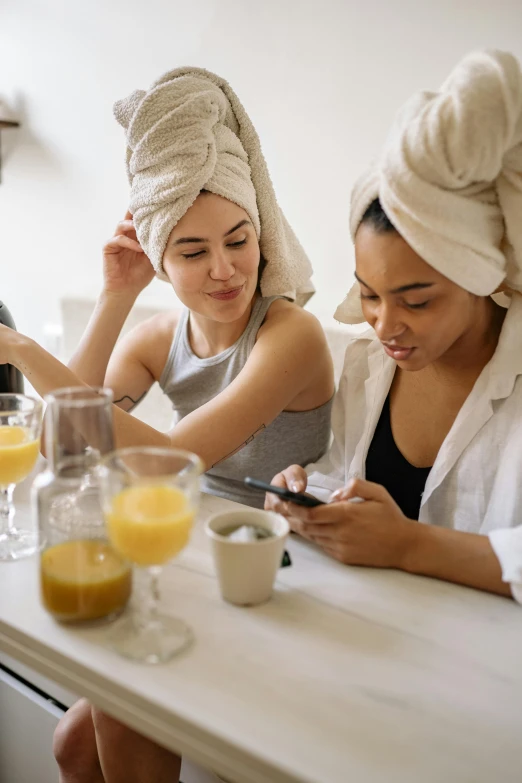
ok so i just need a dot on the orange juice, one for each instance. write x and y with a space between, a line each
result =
149 524
84 580
18 454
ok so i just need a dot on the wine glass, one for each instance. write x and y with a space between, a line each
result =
20 429
150 497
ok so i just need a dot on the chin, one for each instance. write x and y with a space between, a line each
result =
227 315
414 364
227 312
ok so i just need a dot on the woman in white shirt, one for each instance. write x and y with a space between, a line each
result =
428 417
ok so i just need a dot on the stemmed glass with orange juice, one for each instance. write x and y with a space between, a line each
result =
150 497
20 428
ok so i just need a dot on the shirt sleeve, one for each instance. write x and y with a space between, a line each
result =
507 545
329 473
502 522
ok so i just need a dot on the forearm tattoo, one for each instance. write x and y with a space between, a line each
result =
249 440
133 403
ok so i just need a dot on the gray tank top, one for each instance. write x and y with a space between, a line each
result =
296 437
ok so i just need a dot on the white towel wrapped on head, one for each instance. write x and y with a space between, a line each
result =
190 133
450 178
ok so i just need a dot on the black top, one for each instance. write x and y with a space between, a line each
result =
386 465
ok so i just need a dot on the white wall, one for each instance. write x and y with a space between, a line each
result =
320 79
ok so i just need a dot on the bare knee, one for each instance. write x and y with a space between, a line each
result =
128 757
74 741
109 729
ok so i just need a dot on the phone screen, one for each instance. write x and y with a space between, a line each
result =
286 494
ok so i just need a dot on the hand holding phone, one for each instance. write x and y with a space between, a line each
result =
292 497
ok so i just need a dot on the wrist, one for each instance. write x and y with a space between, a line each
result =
411 546
117 298
21 349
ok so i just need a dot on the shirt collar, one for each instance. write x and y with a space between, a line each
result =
506 363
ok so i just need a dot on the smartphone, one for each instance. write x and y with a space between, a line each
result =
286 494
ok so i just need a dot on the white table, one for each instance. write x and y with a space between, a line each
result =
346 675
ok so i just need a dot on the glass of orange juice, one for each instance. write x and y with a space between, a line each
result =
20 429
150 498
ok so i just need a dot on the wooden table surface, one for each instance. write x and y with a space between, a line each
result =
346 675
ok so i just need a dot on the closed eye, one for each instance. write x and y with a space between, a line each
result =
199 253
419 306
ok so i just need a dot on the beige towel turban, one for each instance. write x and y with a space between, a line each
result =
450 178
189 132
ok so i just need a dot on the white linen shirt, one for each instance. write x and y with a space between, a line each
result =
475 484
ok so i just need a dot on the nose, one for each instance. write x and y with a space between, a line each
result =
221 267
388 325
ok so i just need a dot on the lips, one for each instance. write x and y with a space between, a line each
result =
226 296
398 352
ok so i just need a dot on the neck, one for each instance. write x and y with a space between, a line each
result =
475 348
208 337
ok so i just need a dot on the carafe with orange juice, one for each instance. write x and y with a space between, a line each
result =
82 577
20 427
150 498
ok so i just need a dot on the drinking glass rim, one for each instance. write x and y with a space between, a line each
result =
100 396
216 535
37 403
158 451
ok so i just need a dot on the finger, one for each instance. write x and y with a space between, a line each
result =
337 553
125 227
326 530
344 493
330 513
115 244
364 490
300 514
297 526
296 478
128 215
293 478
274 503
280 481
278 505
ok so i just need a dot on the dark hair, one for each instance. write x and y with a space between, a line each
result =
261 268
376 218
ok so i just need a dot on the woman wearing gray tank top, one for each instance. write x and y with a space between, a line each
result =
250 377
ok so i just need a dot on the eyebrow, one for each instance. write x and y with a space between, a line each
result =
186 240
401 289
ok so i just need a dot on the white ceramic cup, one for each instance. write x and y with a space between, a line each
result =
246 570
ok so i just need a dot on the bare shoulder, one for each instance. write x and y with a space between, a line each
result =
149 341
288 321
160 326
297 338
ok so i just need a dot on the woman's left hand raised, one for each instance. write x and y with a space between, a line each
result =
372 531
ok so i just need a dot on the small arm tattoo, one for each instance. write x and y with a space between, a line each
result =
131 400
249 440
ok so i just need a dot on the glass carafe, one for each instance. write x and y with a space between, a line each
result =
82 578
